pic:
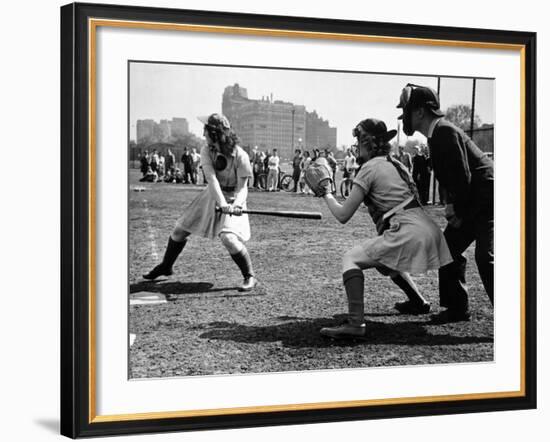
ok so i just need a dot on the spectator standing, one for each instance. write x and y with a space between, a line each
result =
261 167
296 170
154 163
306 161
350 165
170 162
404 158
162 164
315 154
187 165
332 163
266 161
144 163
254 163
196 164
273 172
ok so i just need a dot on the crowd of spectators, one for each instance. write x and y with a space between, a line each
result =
156 167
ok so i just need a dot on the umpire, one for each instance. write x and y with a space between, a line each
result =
466 173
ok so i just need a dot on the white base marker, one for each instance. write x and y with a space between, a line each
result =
145 298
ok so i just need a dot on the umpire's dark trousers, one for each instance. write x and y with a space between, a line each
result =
453 293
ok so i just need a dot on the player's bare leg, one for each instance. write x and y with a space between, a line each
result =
240 255
416 304
176 243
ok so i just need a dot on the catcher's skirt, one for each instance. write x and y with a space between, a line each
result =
200 218
413 244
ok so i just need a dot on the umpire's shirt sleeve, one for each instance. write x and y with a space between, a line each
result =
450 163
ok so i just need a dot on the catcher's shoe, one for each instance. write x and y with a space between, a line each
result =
159 270
248 284
345 331
410 308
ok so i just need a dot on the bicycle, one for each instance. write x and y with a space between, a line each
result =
345 187
286 182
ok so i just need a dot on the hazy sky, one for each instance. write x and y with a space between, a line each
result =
164 91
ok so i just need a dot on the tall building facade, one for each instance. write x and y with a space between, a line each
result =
145 129
319 134
272 124
179 127
165 130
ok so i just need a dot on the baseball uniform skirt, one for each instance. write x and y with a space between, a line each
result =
200 218
413 243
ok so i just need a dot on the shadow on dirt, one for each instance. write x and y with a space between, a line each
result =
305 333
172 290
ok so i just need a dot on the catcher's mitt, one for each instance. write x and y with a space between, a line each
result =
318 177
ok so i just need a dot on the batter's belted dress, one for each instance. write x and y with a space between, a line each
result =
413 243
200 217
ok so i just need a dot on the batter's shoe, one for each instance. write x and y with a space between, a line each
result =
173 249
410 308
159 270
248 284
345 331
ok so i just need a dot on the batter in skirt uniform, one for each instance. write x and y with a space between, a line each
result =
408 240
227 169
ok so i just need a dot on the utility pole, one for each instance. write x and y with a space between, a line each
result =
292 150
473 108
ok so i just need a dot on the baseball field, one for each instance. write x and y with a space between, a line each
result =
196 322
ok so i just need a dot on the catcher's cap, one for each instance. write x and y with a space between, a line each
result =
215 121
376 128
414 96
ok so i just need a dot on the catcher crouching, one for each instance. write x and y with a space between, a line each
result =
408 240
227 169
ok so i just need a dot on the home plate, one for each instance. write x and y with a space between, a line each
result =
146 298
132 339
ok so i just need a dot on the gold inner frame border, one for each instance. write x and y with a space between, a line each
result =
93 24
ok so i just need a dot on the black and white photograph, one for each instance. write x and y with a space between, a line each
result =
272 220
291 219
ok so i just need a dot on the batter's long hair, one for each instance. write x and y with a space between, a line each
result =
227 138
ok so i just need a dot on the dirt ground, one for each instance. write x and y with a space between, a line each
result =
208 327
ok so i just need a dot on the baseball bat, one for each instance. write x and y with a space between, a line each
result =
282 213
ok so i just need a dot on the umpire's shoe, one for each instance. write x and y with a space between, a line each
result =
159 270
248 284
345 331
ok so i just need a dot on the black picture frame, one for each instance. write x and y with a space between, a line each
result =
77 418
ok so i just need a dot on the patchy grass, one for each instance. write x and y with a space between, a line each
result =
209 327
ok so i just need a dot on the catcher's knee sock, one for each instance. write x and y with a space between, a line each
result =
354 283
242 259
173 249
410 289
